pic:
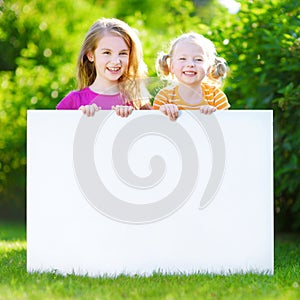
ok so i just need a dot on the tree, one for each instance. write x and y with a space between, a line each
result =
40 41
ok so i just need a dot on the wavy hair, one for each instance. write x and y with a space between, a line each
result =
130 83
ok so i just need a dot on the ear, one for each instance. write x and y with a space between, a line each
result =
90 56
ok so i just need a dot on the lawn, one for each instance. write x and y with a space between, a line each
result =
16 284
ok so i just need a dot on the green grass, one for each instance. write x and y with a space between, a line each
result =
16 284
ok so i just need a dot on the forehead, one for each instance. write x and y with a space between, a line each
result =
112 41
186 47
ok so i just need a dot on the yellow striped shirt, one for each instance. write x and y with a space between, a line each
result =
211 96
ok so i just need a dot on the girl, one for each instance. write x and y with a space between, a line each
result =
110 70
198 70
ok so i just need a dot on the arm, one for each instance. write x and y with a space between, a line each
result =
216 100
220 100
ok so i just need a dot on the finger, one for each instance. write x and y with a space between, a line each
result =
95 107
83 109
163 108
129 110
203 109
116 109
170 112
173 112
88 110
122 111
92 109
210 110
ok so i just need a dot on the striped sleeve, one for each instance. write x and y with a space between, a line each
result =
160 99
221 101
216 97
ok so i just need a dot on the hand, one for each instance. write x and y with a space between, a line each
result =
170 110
123 111
207 109
89 110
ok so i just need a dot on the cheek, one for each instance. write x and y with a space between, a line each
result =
172 68
125 61
206 68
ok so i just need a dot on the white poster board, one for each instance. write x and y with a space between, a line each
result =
108 195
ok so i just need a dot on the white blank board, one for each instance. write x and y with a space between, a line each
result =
108 195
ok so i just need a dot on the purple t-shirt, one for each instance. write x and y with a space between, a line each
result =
86 96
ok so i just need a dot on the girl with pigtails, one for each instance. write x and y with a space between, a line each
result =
198 73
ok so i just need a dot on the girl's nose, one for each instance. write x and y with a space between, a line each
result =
116 59
190 63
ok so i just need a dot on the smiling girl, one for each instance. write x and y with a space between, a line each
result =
198 71
110 71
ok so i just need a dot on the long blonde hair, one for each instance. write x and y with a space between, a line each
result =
130 83
218 66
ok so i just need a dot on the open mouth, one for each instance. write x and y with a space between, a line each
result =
114 69
189 73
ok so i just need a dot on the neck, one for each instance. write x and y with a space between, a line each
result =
105 88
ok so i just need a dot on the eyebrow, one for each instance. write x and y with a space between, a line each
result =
126 50
197 55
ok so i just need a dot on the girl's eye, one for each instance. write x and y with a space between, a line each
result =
198 59
181 58
105 52
124 53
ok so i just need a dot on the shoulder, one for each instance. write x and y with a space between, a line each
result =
164 96
169 90
215 96
209 87
76 98
212 90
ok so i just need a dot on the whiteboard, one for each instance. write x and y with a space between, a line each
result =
108 195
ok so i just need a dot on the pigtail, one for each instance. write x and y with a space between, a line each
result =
218 71
162 65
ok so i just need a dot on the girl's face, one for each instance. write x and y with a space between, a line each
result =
189 63
111 58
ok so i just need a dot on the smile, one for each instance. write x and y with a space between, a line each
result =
189 73
114 69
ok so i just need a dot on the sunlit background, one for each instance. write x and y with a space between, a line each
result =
260 40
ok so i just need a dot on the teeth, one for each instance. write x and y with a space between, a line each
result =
114 69
189 73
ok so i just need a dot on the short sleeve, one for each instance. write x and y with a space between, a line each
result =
160 99
71 101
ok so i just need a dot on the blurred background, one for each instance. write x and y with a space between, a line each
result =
260 39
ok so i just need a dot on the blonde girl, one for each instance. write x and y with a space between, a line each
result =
110 71
198 72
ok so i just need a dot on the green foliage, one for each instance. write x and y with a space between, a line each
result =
40 41
263 50
42 50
